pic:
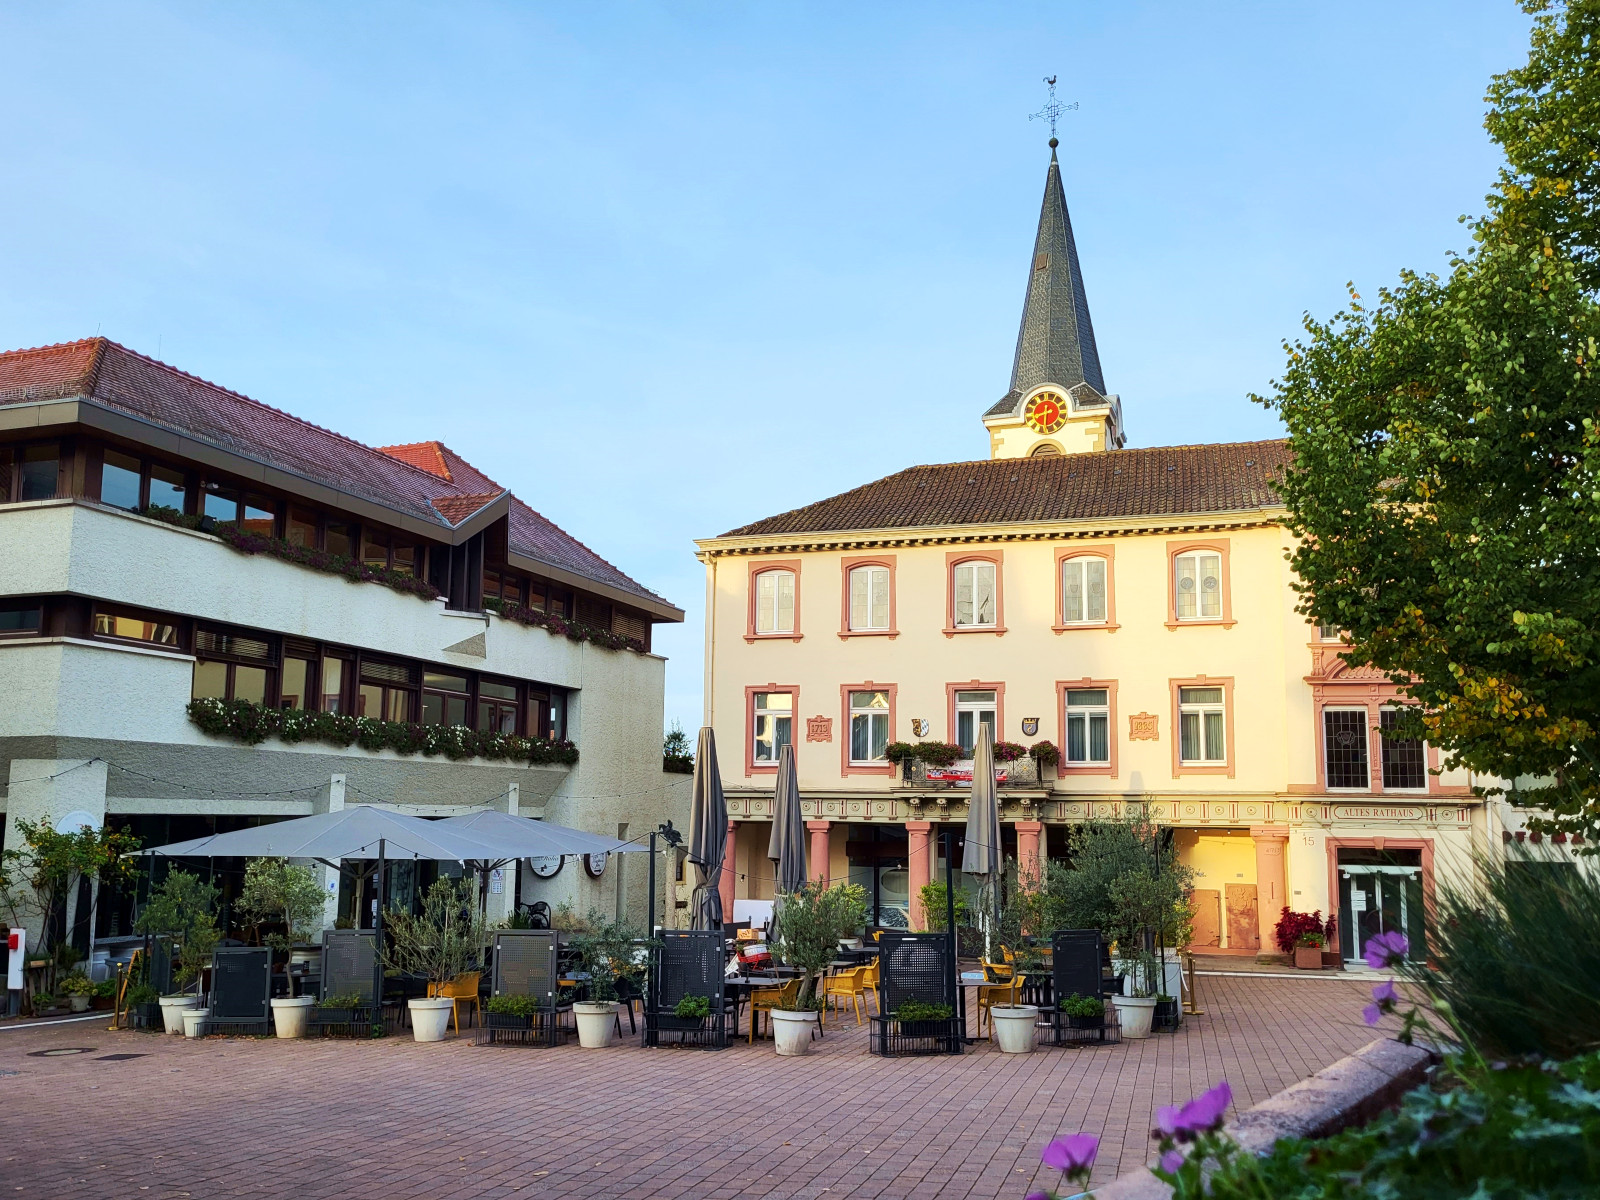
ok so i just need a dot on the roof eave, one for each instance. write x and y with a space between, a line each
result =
993 531
659 610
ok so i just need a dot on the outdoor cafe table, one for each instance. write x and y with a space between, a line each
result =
742 986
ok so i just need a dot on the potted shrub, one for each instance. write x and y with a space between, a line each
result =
77 988
1166 1011
608 951
1136 1011
181 909
1308 950
104 995
1291 927
342 1008
807 926
43 1003
444 941
917 1018
278 891
143 1005
510 1012
1083 1012
1015 1026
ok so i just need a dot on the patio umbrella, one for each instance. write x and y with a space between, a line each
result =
981 856
787 847
708 833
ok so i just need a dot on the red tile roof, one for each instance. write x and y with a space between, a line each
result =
117 378
1151 482
457 509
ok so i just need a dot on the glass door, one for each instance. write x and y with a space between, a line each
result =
1377 899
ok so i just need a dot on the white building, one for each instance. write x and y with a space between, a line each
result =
163 539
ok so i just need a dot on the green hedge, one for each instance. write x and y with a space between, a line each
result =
251 723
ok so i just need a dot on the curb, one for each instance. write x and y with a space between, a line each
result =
1350 1092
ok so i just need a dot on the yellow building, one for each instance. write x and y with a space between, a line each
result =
1131 606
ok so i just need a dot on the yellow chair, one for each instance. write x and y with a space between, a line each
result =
846 985
463 989
997 972
990 994
766 999
869 984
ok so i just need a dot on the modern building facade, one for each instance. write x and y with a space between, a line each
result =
179 562
1131 606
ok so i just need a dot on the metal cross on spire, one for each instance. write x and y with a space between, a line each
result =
1052 110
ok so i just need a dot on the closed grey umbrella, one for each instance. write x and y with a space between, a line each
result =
982 854
708 833
787 847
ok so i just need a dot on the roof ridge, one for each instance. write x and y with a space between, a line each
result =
1080 454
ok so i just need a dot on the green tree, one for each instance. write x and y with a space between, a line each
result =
447 939
1445 483
276 890
183 908
807 926
37 879
676 753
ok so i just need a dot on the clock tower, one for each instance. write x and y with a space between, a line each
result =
1057 402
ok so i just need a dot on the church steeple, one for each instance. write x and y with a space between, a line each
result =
1055 343
1057 402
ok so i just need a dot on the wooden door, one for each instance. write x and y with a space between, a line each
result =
1207 920
1244 931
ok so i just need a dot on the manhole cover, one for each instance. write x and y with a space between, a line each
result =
117 1057
61 1050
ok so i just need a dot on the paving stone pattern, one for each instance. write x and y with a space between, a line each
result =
392 1120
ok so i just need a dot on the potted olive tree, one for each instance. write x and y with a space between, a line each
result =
807 926
276 890
443 942
182 909
607 952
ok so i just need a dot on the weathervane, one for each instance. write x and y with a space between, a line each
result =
1052 110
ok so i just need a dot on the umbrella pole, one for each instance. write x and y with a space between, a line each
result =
950 929
377 945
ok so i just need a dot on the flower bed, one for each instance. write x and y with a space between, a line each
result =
251 723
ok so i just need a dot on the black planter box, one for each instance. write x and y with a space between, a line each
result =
1085 1022
145 1016
708 1033
894 1038
508 1029
1166 1016
343 1022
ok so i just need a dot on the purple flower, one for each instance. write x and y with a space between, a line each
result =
1171 1161
1167 1120
1072 1153
1372 1014
1385 992
1205 1110
1386 949
1037 1196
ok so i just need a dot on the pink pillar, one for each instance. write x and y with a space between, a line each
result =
917 868
1271 883
1030 861
725 884
820 866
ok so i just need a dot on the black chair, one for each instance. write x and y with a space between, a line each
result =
538 914
915 967
241 990
527 962
688 963
628 994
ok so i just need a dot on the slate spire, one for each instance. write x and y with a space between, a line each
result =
1056 341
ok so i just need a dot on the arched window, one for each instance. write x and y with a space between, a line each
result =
774 602
1083 590
1045 450
869 598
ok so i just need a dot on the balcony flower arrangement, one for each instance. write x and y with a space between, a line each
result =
577 631
245 721
1045 753
1009 752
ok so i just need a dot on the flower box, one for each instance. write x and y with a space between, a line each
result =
1308 958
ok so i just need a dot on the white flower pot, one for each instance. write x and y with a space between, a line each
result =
1014 1027
194 1022
430 1017
172 1009
78 1003
1134 1014
597 1022
791 1030
289 1016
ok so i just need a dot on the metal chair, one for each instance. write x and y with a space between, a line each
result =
846 985
463 989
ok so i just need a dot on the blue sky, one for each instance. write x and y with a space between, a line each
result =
667 268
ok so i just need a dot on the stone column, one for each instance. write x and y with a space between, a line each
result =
725 884
917 836
821 868
1271 884
1030 856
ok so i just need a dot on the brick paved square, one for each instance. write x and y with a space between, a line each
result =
392 1120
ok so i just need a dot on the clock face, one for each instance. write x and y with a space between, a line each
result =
547 867
1046 413
595 864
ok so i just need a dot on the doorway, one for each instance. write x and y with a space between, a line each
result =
1381 892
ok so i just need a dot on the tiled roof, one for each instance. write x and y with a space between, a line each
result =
457 509
1152 482
120 379
424 455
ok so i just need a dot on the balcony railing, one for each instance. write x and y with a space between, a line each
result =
1022 773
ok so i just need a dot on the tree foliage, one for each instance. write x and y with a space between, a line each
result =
276 890
1445 483
808 923
37 878
184 909
445 940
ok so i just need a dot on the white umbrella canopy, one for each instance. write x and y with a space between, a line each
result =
352 832
523 837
